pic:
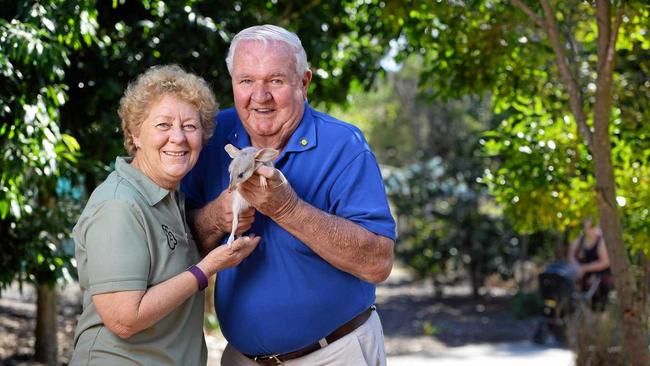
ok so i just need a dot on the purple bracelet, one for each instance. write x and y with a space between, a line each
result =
200 277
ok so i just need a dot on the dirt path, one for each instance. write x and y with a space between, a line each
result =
413 321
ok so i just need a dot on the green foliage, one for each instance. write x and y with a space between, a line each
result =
34 51
552 186
543 173
446 227
543 177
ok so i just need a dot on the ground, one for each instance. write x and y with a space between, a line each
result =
413 321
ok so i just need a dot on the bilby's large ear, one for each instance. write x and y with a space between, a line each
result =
232 151
266 154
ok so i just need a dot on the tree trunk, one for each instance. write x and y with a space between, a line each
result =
645 275
46 343
475 279
629 298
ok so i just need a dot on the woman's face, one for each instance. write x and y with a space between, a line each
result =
169 141
589 229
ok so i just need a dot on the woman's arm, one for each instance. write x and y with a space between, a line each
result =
128 312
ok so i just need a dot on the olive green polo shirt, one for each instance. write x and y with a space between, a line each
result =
133 235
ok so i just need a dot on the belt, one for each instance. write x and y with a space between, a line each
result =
338 333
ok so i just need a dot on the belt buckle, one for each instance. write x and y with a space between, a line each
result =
269 358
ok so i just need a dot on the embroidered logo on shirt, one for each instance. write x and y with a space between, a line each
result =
171 239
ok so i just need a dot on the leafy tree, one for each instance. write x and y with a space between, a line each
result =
446 227
36 207
552 71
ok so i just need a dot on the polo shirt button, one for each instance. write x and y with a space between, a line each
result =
303 141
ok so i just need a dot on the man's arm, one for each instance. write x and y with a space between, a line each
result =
344 244
211 222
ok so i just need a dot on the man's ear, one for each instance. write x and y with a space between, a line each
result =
266 154
232 151
306 80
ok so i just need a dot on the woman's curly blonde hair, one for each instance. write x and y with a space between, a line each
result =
157 82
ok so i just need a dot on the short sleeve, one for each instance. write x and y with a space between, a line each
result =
116 248
358 194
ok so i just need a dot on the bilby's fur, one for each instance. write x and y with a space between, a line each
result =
243 165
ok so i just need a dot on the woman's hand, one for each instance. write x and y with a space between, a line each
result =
226 256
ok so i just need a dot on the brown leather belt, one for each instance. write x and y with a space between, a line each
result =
338 333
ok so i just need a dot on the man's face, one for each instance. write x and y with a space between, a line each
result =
269 94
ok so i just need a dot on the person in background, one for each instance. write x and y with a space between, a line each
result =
589 254
140 271
305 296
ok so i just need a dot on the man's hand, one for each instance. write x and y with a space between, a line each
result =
211 222
220 210
342 243
277 200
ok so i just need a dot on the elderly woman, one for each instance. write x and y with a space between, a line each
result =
139 269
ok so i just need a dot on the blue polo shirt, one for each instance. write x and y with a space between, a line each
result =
284 297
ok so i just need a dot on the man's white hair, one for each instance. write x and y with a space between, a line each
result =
268 33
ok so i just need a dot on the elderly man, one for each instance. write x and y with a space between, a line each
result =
305 295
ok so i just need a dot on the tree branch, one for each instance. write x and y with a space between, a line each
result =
575 95
603 23
607 33
531 14
611 47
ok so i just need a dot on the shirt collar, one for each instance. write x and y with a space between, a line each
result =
302 139
152 192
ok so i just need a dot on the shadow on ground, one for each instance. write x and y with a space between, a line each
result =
416 321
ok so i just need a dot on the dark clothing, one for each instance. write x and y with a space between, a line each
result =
585 255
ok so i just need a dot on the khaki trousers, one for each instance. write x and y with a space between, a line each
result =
363 347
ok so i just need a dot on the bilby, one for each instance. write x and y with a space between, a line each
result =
243 165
